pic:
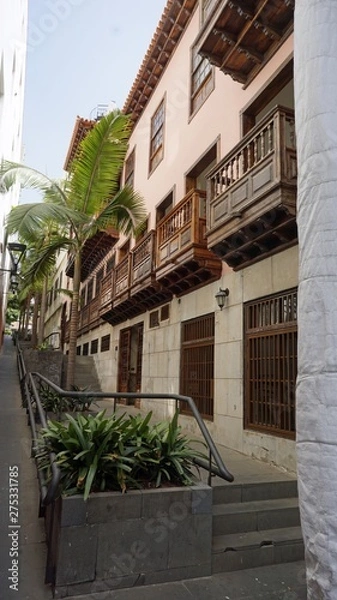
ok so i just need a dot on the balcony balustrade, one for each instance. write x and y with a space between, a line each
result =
89 317
252 193
183 261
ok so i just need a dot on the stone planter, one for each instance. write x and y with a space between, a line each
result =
119 540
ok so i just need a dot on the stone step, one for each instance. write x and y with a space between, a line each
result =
234 552
255 516
86 377
248 492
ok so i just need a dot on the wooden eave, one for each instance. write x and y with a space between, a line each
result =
95 249
81 128
172 24
240 36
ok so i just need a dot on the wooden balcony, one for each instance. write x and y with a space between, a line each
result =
95 249
89 317
145 288
134 288
183 261
240 36
252 193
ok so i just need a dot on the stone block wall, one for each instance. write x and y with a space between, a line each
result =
141 537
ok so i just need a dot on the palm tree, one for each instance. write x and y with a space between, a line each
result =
316 411
90 201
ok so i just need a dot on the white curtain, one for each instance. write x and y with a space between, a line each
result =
316 131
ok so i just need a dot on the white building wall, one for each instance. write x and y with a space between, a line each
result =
13 37
185 141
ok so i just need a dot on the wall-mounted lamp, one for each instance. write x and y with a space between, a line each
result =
16 252
221 296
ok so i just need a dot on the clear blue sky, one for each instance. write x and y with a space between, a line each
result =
81 53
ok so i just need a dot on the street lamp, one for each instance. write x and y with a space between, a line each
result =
16 251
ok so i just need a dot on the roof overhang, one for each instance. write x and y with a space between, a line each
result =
171 27
240 36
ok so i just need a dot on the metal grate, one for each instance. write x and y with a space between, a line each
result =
197 363
271 363
94 346
165 312
105 343
154 318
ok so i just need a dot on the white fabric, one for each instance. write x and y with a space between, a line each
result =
316 130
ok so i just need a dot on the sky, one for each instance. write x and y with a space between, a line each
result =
81 53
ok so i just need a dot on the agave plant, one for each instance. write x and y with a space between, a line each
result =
97 453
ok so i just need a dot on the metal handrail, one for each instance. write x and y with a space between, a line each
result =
54 333
220 469
48 492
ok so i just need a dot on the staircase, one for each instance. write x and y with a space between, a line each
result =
86 378
255 524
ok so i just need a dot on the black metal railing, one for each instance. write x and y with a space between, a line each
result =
55 340
32 382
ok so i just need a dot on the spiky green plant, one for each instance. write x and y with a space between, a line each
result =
97 453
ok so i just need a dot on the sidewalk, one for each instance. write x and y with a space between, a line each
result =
279 582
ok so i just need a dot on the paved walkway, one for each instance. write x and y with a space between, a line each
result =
25 535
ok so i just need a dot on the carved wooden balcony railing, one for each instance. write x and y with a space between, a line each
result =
89 317
252 193
144 286
183 260
106 291
240 37
121 285
135 288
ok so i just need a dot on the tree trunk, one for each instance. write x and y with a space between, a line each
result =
43 311
73 326
35 318
316 422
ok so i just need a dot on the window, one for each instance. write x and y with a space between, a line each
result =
271 363
164 207
85 349
124 251
110 264
202 80
197 363
130 169
94 346
165 312
196 176
99 278
206 9
105 343
157 137
154 318
90 291
78 350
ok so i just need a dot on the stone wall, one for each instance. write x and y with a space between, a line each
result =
141 537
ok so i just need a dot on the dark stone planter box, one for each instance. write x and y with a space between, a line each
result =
142 537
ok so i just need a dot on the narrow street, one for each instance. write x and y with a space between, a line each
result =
22 548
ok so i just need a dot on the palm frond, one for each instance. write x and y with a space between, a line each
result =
30 220
46 258
96 170
12 172
126 211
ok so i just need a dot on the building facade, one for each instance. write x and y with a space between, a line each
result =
13 42
213 154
